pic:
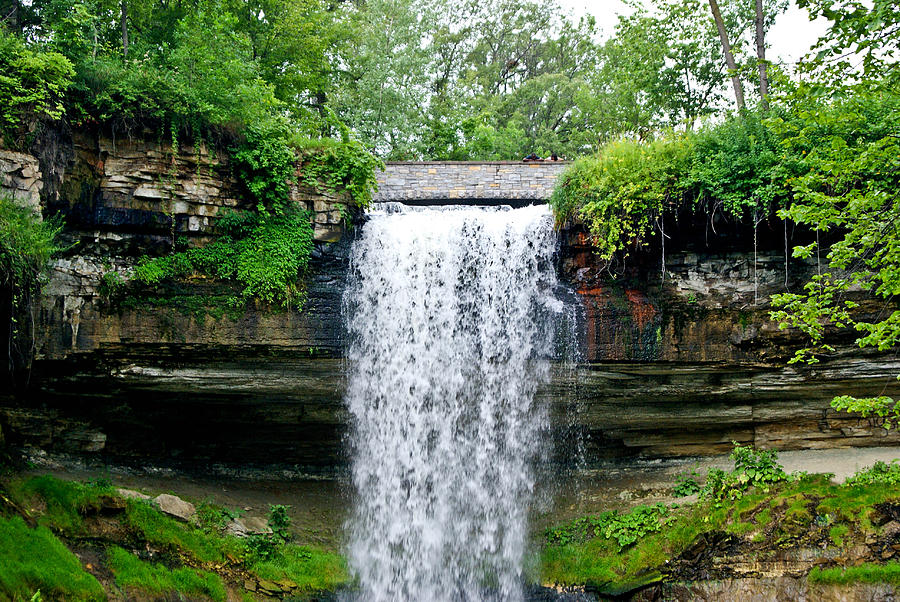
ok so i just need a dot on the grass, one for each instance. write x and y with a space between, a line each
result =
864 573
66 501
137 576
152 526
309 568
37 560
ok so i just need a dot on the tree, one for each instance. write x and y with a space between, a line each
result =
845 181
861 34
761 54
382 92
729 56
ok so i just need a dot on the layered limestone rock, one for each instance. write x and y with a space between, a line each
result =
20 178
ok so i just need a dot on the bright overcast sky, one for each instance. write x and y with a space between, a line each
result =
788 40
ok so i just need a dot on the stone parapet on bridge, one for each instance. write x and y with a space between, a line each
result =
468 182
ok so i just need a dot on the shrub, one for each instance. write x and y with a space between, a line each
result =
264 253
752 468
32 85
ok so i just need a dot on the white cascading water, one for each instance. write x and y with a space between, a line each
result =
447 311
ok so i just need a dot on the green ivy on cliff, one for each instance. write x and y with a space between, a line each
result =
624 192
261 252
27 244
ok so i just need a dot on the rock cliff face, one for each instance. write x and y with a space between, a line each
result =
687 363
680 365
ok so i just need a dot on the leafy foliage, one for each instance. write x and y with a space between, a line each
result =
881 409
624 191
881 473
33 83
27 243
265 164
752 469
686 484
625 529
263 253
331 167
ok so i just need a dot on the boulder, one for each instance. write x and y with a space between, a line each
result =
176 507
131 494
250 525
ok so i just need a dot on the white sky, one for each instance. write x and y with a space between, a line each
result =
789 39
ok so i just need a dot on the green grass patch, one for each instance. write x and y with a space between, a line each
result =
601 563
310 568
34 559
864 573
158 529
134 575
66 501
740 528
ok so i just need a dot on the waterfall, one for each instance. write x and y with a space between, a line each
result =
450 316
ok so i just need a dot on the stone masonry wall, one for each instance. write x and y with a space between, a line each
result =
475 181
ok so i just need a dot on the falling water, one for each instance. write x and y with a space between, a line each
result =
450 317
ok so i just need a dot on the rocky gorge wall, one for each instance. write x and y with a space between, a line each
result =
677 365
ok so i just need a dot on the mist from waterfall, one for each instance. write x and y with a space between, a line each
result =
452 317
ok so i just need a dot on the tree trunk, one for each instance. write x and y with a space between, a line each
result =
729 57
124 20
10 16
761 56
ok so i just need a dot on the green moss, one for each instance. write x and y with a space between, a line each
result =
310 568
864 573
34 559
803 504
198 306
600 563
740 528
837 534
134 575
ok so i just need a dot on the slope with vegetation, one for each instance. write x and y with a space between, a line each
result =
85 541
753 521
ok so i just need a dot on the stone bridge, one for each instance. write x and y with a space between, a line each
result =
468 182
